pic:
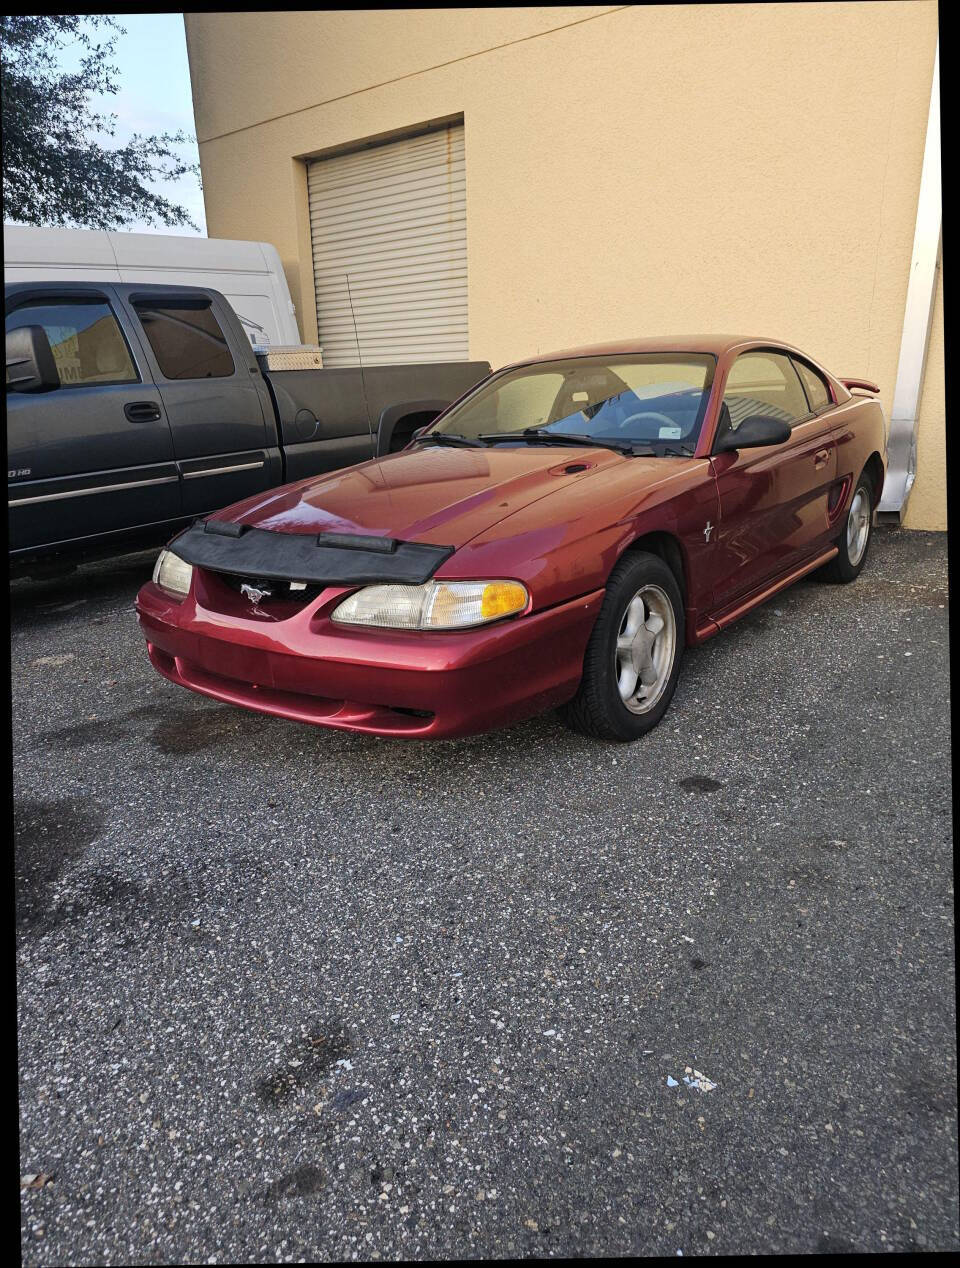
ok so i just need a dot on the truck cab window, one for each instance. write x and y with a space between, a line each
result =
187 341
85 339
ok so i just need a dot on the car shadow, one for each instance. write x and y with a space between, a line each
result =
117 578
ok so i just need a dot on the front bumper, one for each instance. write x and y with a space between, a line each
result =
424 685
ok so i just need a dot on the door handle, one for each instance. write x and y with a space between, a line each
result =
821 457
142 411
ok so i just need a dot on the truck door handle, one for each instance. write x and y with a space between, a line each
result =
820 457
142 411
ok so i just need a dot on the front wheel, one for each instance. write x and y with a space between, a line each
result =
632 661
853 542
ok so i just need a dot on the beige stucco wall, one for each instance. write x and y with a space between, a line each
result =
630 170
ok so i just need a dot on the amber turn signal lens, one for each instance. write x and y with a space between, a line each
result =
502 598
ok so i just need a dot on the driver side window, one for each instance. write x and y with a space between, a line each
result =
764 383
87 345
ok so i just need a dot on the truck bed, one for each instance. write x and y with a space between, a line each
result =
327 415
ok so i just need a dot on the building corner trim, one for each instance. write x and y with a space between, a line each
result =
918 311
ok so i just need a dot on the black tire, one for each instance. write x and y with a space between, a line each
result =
597 709
844 567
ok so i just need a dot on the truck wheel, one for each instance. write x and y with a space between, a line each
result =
632 661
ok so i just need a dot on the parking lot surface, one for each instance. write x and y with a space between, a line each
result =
291 994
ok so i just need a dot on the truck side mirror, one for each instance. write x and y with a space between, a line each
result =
30 363
753 433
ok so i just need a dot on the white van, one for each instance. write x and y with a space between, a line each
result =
249 274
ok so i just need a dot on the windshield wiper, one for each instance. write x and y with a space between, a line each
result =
679 451
540 435
449 438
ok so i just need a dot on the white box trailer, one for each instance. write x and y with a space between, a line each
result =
249 274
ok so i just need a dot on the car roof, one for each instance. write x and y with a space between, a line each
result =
715 345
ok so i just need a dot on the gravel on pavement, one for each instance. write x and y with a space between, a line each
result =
287 993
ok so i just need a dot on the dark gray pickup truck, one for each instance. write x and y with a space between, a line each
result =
132 409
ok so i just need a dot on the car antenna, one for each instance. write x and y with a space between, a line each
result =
363 386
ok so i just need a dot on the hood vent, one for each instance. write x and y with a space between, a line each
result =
572 468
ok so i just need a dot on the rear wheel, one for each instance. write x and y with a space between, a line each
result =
632 661
854 540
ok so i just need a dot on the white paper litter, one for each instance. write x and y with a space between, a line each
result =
699 1081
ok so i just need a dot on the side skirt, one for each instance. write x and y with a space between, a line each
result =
711 626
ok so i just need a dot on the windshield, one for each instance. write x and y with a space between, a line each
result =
655 400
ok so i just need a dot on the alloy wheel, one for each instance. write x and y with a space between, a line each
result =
858 526
645 649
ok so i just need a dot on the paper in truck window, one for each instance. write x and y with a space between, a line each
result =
671 433
88 348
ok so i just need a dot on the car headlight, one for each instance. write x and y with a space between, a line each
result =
438 605
173 574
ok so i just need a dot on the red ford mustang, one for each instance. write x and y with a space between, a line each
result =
555 538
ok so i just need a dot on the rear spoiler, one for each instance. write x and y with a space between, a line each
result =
863 385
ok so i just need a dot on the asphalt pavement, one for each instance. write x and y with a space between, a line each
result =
286 993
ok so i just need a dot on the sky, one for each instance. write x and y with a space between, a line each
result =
154 96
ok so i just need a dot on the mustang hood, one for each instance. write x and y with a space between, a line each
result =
441 496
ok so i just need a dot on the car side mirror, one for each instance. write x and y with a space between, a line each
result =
30 363
755 431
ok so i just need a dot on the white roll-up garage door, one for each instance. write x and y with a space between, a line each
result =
392 219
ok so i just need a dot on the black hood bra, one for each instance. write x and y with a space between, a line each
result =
331 558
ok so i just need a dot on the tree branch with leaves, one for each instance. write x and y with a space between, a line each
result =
57 166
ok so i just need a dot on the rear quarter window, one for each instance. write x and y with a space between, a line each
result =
815 386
